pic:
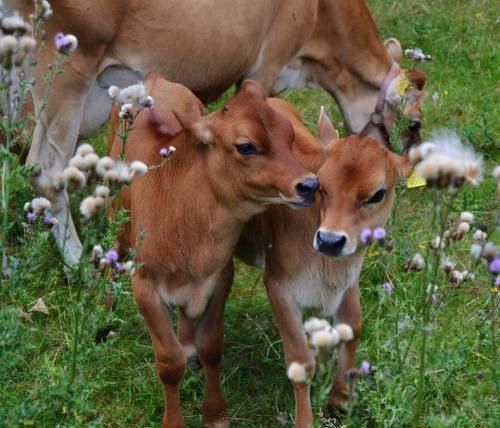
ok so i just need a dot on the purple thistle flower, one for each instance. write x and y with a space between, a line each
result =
379 234
119 267
388 288
494 266
47 220
111 256
60 41
497 281
433 299
365 367
163 152
31 217
366 235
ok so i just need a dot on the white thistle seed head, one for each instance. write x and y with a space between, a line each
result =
74 177
103 165
297 372
40 204
450 163
314 324
325 339
467 217
76 161
463 228
345 332
476 251
88 207
102 192
90 161
84 150
480 236
138 169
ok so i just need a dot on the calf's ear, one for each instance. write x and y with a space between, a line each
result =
325 130
197 126
254 88
403 165
393 48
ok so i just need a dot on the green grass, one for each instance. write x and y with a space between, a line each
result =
117 385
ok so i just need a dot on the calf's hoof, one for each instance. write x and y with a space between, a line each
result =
219 423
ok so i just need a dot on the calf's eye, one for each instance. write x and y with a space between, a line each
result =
246 149
377 197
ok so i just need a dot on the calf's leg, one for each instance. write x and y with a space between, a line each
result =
289 319
209 346
349 312
169 355
186 334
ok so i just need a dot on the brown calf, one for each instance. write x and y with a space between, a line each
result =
358 177
228 166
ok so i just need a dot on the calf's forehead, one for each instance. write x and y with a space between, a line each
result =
250 116
357 166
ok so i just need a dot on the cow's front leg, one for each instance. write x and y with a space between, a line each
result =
56 133
209 346
169 355
289 319
349 312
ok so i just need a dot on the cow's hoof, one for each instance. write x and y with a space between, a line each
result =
220 423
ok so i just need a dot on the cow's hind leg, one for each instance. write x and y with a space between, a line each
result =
186 331
56 133
169 355
349 312
209 346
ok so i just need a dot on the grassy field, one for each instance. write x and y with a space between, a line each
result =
116 383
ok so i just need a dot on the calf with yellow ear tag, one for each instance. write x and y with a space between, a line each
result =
313 257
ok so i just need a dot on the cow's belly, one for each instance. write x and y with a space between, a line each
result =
206 45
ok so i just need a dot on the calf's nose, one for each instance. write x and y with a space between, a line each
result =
330 243
414 125
308 187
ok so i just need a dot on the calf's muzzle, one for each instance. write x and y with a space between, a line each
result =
329 243
307 189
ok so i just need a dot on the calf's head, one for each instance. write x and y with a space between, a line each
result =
248 151
357 188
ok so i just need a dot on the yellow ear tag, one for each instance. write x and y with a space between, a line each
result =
403 86
415 180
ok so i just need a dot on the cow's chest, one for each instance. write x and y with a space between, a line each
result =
320 288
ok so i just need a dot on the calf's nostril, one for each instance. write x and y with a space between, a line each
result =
307 187
414 125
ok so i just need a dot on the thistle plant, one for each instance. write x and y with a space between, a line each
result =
447 165
322 338
131 100
20 43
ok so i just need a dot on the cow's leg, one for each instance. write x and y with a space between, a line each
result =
186 334
169 355
289 319
349 312
56 134
209 346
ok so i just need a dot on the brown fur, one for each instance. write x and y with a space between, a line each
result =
351 170
192 211
206 46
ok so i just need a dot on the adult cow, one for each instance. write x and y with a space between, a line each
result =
208 46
